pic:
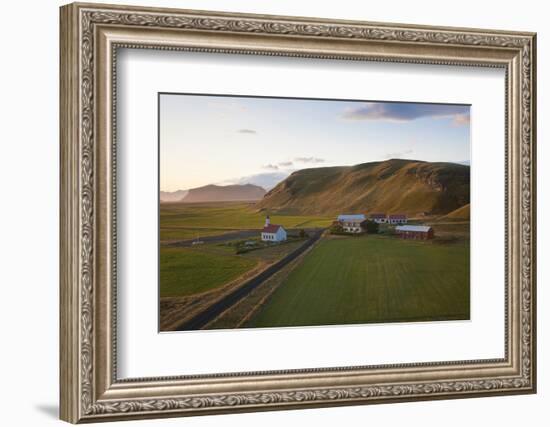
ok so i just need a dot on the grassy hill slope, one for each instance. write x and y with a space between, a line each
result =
462 213
397 185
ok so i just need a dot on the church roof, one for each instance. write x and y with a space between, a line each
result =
271 228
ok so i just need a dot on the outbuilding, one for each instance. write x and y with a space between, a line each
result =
417 232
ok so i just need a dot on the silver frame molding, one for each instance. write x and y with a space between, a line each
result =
90 37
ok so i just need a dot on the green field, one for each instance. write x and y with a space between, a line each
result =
187 233
187 271
372 279
187 220
191 270
343 280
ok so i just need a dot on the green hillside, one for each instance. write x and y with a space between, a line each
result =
392 186
462 213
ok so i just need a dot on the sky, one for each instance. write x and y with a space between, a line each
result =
206 139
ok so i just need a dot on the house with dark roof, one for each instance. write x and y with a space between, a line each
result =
397 219
380 218
273 232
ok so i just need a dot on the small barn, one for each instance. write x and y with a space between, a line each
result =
351 223
273 232
397 219
380 218
417 232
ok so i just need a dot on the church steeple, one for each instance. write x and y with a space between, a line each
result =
267 221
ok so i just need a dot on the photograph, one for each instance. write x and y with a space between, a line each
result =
294 212
270 210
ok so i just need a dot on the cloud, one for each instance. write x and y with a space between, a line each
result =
276 166
267 180
309 160
248 131
405 112
398 154
461 120
285 164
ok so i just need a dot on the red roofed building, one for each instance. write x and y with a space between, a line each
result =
273 232
417 232
397 219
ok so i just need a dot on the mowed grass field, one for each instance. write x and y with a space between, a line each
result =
188 271
168 234
372 279
182 221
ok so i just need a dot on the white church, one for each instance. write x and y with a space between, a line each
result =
273 232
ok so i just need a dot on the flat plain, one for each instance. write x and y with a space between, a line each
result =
195 220
372 279
189 270
341 280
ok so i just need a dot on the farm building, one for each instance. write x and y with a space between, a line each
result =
418 232
397 219
380 218
351 223
273 232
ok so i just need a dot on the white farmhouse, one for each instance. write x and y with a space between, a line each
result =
351 223
273 232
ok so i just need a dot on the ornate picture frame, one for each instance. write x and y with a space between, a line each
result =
90 37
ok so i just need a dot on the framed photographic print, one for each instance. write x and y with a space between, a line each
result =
264 212
283 227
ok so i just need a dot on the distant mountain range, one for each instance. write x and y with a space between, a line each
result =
391 186
215 193
266 180
172 196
